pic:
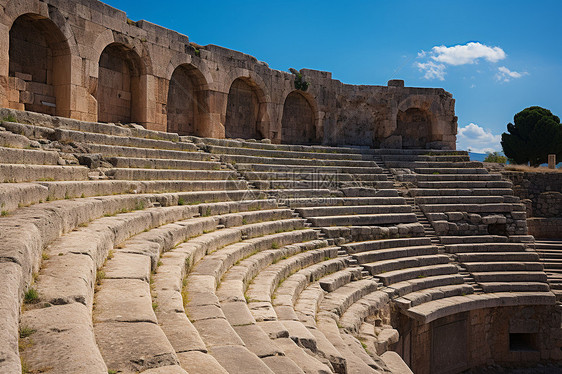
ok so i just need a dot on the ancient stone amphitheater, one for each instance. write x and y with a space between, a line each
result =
129 248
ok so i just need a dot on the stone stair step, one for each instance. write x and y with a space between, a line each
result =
371 245
298 169
28 156
479 170
165 163
428 312
446 185
339 300
491 287
380 267
417 284
510 276
467 191
458 177
394 252
419 297
503 266
497 257
320 201
363 219
108 150
402 275
485 247
352 210
11 173
167 174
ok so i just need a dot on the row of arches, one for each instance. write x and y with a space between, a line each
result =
39 55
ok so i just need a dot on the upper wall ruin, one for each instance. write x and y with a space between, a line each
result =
85 60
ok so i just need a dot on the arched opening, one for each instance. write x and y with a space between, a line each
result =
242 111
414 125
119 85
185 102
39 67
297 124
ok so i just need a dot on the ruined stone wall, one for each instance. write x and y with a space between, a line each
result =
507 336
94 64
542 194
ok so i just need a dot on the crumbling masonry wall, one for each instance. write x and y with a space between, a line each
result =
89 62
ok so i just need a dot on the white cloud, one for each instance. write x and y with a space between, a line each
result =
468 53
504 74
477 139
439 57
432 70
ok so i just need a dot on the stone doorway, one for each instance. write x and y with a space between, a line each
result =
297 124
185 101
39 67
414 125
119 85
242 111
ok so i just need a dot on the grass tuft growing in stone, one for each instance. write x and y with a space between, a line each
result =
26 331
31 296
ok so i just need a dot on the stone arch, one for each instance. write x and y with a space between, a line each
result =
299 120
415 127
120 89
40 65
187 105
415 121
246 110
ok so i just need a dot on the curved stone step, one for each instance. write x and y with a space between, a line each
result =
401 275
166 174
368 305
320 176
485 247
265 153
453 170
15 173
62 339
381 267
503 266
428 200
355 364
497 257
419 297
241 143
466 191
234 159
433 310
63 135
331 201
363 219
290 289
394 253
510 276
143 153
465 184
438 177
417 284
374 245
339 300
165 163
261 289
28 156
298 169
352 210
509 286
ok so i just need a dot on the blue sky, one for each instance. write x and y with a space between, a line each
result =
495 57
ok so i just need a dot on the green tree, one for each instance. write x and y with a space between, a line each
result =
534 134
495 157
